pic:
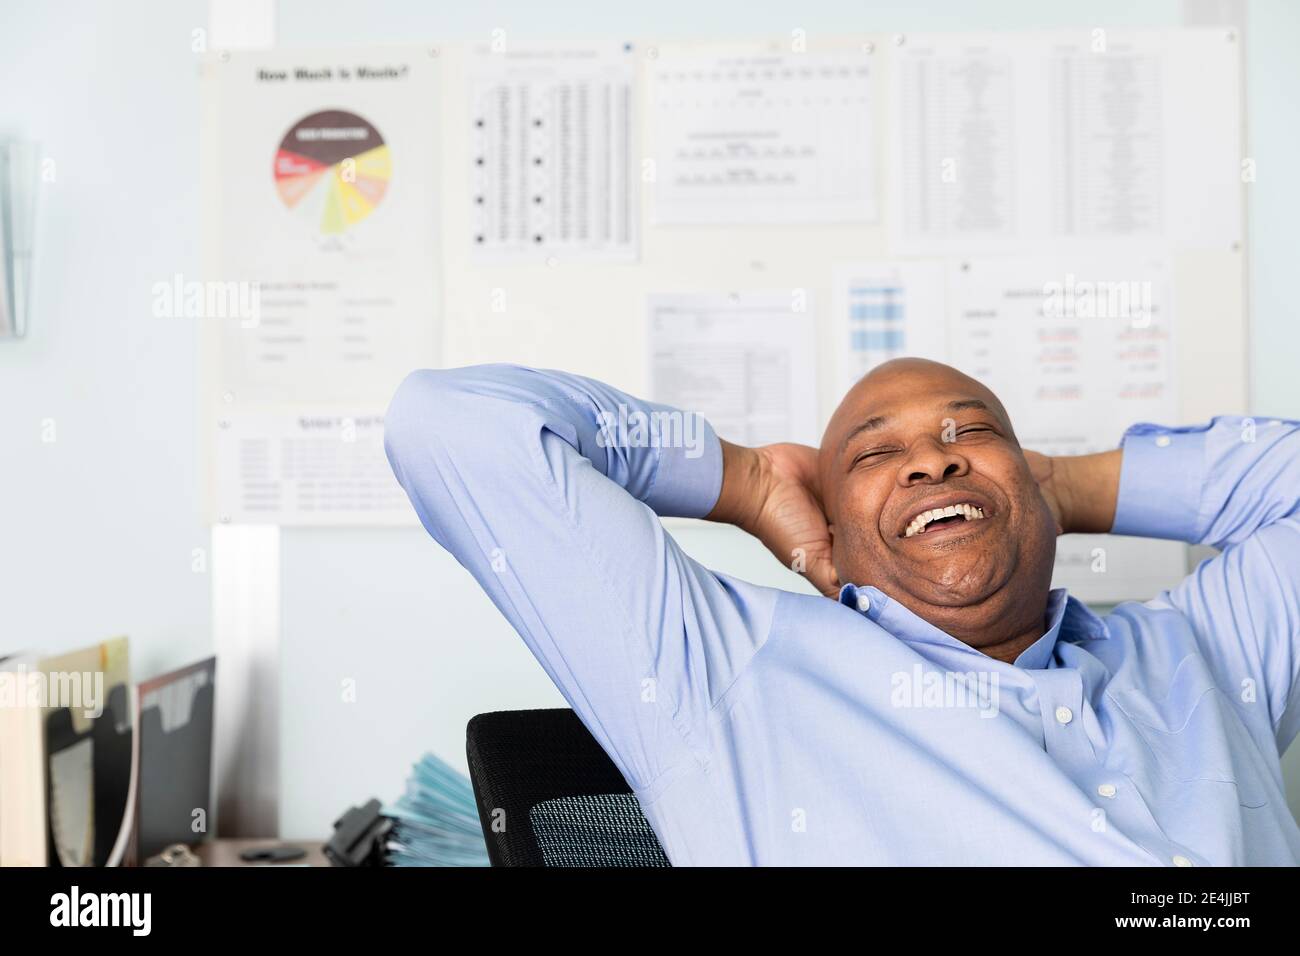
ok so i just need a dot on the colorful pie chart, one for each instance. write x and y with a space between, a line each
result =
332 168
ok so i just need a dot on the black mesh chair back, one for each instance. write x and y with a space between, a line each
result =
520 759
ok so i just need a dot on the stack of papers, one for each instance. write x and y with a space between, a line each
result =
436 820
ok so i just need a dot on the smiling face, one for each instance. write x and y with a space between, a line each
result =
930 499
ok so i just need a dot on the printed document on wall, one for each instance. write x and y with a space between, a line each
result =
323 466
763 138
886 309
551 162
320 197
1002 142
746 361
1077 349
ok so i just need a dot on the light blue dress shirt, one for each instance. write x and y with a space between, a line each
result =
760 726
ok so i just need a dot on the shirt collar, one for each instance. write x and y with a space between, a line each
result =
1068 619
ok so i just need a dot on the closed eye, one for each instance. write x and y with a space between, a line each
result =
871 455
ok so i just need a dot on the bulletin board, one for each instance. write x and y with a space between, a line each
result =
717 185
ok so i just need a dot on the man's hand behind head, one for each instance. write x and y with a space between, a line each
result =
1044 471
772 493
792 522
1080 490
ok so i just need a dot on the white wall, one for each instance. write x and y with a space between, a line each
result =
97 529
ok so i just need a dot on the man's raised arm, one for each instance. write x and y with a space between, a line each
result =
1233 484
546 487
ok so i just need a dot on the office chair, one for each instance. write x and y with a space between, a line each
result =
548 795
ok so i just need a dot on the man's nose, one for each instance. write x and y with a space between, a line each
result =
930 461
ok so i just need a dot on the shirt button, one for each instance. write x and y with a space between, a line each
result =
1107 790
864 603
1181 860
1064 715
1163 441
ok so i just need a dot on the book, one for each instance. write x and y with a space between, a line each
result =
66 756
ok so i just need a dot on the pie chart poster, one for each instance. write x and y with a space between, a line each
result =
321 174
333 167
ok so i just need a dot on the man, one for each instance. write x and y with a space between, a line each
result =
947 707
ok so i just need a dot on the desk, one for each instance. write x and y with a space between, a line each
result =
226 852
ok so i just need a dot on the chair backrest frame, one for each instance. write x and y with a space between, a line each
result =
519 758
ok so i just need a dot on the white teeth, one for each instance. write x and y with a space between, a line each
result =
968 511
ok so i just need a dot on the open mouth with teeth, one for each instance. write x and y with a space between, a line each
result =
937 518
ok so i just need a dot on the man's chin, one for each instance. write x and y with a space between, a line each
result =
956 584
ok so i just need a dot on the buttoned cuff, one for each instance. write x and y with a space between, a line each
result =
688 479
1162 477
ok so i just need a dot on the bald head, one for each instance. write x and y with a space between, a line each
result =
867 406
930 498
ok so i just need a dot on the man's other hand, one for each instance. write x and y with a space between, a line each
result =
1080 490
1044 470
